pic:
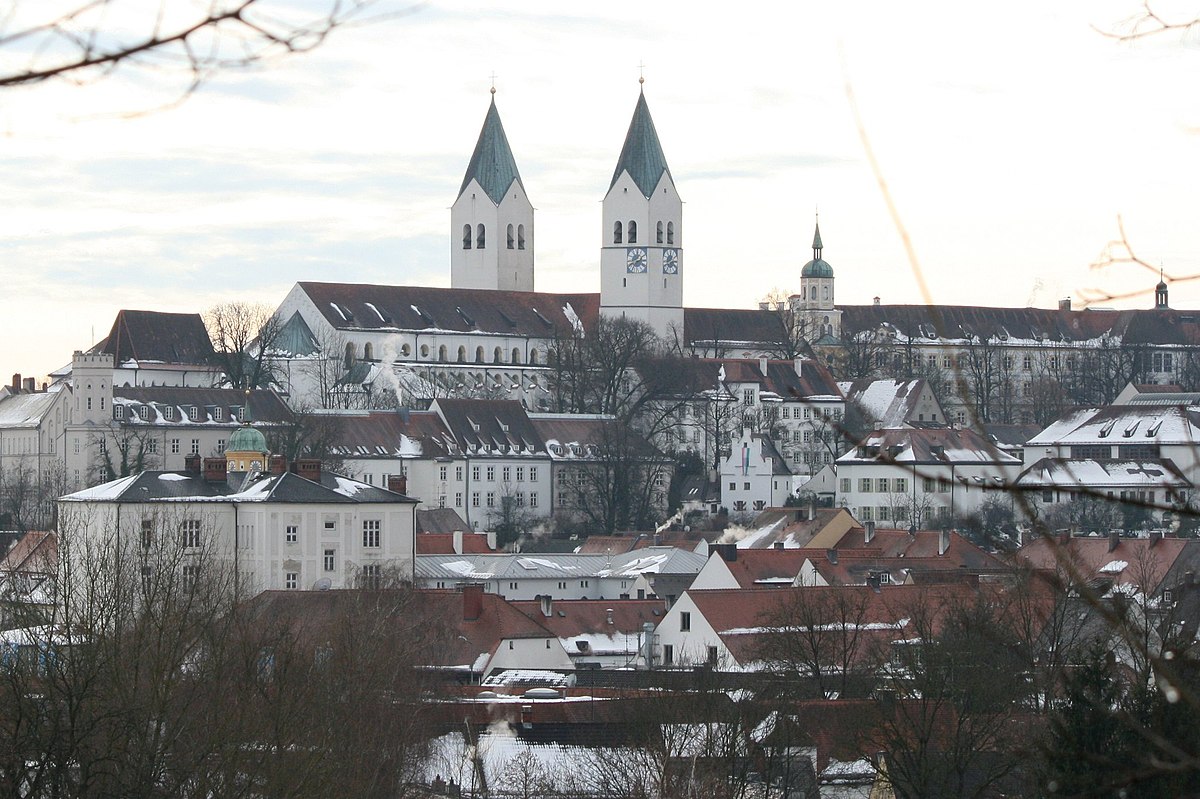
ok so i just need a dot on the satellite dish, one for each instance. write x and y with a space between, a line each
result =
324 584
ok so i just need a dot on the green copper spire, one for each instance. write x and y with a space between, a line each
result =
492 163
817 246
642 156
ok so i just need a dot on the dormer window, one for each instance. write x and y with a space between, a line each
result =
218 414
194 413
144 412
118 411
169 413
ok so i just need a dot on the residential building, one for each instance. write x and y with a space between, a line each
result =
920 477
603 634
754 476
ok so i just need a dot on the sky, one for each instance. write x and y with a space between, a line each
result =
1010 137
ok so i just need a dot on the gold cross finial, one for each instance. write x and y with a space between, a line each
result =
641 73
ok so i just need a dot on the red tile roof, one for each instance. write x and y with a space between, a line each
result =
1145 562
571 617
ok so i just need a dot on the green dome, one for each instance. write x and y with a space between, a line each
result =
817 268
246 439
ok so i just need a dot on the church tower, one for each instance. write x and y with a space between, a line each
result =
641 256
491 222
813 308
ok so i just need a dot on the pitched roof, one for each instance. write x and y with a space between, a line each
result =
502 425
780 379
586 437
266 407
1081 473
355 306
36 551
889 402
924 544
733 326
157 337
25 410
574 618
1123 425
1143 562
932 445
642 154
295 338
391 434
160 486
432 521
790 527
761 568
554 565
492 162
443 543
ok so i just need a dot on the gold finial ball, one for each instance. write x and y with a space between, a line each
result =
493 90
641 79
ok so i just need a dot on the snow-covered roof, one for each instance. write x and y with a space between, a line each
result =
1084 473
25 410
1123 425
555 566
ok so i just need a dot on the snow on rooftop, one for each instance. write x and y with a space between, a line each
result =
172 477
105 491
1114 567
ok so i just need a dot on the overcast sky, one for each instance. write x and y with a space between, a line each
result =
1011 136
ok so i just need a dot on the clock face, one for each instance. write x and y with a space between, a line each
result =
635 260
670 261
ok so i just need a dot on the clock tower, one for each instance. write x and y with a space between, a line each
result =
641 255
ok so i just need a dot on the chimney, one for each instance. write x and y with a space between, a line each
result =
458 539
609 612
812 510
547 605
397 483
762 366
308 468
727 551
278 464
798 365
868 532
831 556
472 601
1064 304
1155 537
191 464
214 470
30 385
943 541
491 539
778 545
875 301
16 383
1114 540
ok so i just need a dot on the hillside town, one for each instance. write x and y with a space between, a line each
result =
488 541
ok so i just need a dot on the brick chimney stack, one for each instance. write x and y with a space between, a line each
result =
472 601
397 483
215 470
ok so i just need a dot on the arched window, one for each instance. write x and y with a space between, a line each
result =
480 237
670 233
442 353
659 234
533 356
616 232
826 292
479 355
804 292
424 350
405 350
510 237
497 356
520 237
462 354
349 355
367 352
466 237
516 358
632 228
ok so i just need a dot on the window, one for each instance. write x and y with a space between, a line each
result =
733 486
533 501
190 529
291 580
533 474
147 533
881 485
845 485
174 446
152 446
520 474
480 237
864 485
491 499
745 486
658 233
712 656
474 499
330 525
668 655
631 229
747 396
458 499
371 574
442 473
900 485
520 237
291 534
616 235
458 474
169 413
511 238
329 560
475 473
191 574
371 533
466 237
118 411
670 233
685 622
195 446
506 473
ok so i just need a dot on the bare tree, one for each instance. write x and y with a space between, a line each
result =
89 40
243 335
